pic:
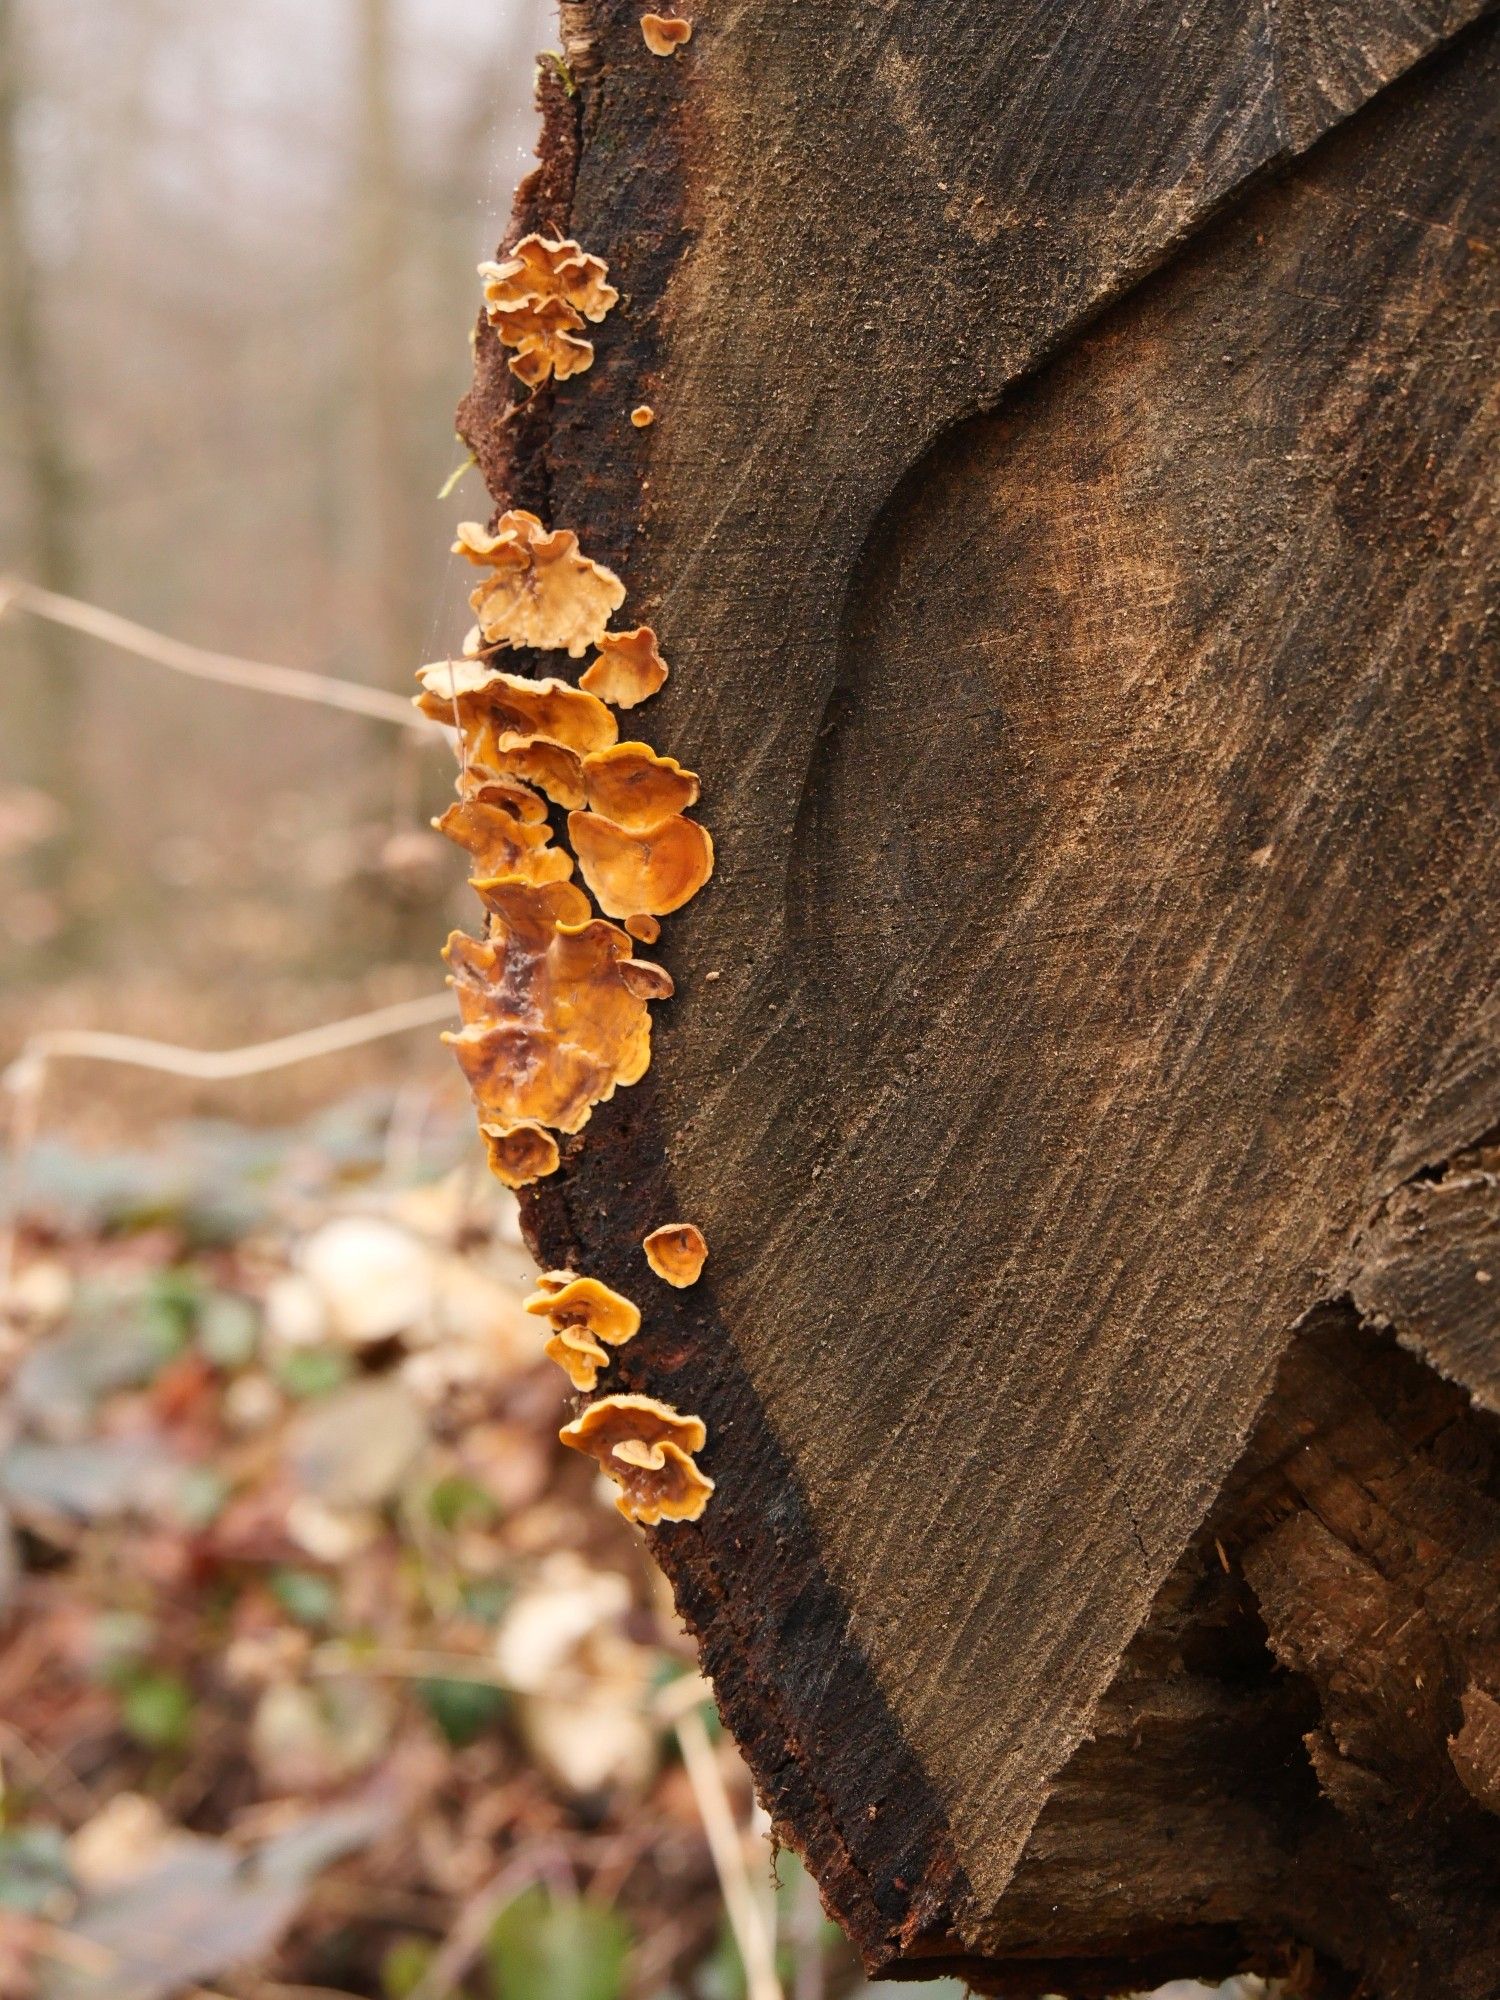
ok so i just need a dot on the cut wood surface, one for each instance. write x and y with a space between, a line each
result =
1070 520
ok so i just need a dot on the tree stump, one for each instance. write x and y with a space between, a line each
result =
1070 518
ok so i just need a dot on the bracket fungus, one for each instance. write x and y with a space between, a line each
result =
501 842
677 1252
665 34
647 1448
537 302
629 668
649 873
583 1312
630 784
553 1006
540 591
646 930
520 1154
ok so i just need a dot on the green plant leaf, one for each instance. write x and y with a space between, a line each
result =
543 1949
157 1709
462 1710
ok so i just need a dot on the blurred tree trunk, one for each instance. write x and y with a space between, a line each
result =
45 483
386 525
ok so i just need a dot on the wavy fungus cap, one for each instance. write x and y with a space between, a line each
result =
549 267
634 874
554 1013
537 301
520 1154
486 704
677 1252
635 787
583 1313
665 34
541 591
646 1447
628 669
502 844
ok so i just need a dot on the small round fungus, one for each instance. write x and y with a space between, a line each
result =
540 590
654 872
501 844
646 930
647 1448
677 1251
520 1154
642 415
628 669
583 1312
537 301
665 34
630 784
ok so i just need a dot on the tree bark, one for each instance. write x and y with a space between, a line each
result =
1068 524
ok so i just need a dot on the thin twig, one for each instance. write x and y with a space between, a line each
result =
757 1953
201 664
227 1065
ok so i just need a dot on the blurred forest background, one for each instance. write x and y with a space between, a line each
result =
237 251
321 1674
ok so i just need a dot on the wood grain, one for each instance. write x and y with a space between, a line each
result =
1104 791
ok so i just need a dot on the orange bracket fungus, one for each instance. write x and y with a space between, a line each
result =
540 590
650 873
538 300
677 1252
583 1313
628 669
635 788
646 930
665 34
647 1448
501 842
553 1005
520 1154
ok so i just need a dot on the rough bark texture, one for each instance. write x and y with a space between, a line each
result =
1070 521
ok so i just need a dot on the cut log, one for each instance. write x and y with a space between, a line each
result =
1070 520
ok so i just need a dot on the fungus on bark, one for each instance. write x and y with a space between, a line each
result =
650 873
486 705
646 930
540 591
583 1313
665 34
647 1448
537 302
630 784
520 1154
629 668
501 843
676 1252
642 415
553 1006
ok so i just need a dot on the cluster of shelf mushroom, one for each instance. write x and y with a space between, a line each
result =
554 999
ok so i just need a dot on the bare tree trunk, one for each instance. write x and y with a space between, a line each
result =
46 483
387 533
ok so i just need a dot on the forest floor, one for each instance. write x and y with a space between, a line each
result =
324 1670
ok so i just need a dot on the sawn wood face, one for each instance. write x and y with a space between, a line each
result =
1097 723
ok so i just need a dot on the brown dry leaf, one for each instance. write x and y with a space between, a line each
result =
629 668
647 1448
551 1024
630 784
650 873
540 590
665 34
